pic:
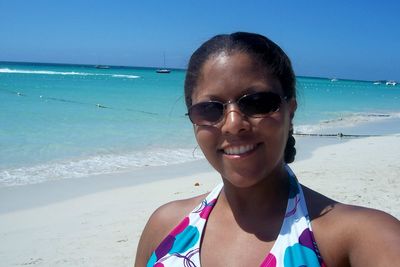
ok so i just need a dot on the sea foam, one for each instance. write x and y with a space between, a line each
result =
344 121
46 72
100 164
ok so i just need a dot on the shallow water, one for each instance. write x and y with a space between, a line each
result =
69 121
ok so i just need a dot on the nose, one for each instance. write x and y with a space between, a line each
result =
235 121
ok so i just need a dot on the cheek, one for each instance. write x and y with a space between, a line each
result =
207 138
204 135
273 124
275 130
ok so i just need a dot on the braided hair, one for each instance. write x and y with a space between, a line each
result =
290 150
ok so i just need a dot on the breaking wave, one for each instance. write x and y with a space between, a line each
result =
348 120
46 72
100 164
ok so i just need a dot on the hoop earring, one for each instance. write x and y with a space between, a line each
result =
194 150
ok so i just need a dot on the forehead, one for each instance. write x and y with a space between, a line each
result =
230 75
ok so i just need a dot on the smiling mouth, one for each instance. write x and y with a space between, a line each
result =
239 150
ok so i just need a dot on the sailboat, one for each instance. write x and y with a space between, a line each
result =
163 70
102 67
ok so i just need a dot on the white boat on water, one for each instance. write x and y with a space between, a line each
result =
393 83
102 67
163 70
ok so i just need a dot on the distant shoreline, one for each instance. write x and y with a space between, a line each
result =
87 65
171 68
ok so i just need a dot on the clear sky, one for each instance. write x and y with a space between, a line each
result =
357 39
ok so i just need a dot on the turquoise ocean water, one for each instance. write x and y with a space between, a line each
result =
70 121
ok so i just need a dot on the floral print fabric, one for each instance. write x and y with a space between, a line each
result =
294 247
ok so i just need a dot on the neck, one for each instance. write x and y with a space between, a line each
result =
264 202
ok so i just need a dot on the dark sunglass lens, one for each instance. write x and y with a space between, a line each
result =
259 104
207 113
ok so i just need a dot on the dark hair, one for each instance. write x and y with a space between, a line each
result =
263 50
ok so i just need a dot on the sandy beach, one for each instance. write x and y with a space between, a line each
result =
97 221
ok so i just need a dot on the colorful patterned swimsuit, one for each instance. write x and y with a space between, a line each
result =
294 247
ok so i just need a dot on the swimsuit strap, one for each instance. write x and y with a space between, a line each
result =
295 245
181 247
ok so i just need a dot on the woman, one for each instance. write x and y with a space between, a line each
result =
241 99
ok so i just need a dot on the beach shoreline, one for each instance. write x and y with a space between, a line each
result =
97 221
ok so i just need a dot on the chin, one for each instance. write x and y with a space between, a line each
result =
242 181
244 177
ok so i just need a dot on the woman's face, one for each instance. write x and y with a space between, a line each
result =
245 151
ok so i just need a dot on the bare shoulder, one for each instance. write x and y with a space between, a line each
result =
350 235
372 236
166 217
161 223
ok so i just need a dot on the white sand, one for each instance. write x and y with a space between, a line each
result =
97 221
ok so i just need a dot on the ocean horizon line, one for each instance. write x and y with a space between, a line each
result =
333 77
89 65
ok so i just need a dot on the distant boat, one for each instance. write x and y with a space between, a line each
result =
334 80
393 83
163 70
102 67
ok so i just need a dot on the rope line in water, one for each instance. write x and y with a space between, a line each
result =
78 102
12 92
339 135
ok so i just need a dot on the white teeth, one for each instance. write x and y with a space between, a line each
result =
237 150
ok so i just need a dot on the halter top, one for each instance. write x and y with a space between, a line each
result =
295 245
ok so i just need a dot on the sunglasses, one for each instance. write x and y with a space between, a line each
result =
255 105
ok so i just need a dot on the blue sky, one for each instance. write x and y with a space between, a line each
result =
344 39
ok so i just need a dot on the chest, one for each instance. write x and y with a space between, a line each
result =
232 248
228 241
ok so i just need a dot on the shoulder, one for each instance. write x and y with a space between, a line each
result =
353 235
166 217
161 223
